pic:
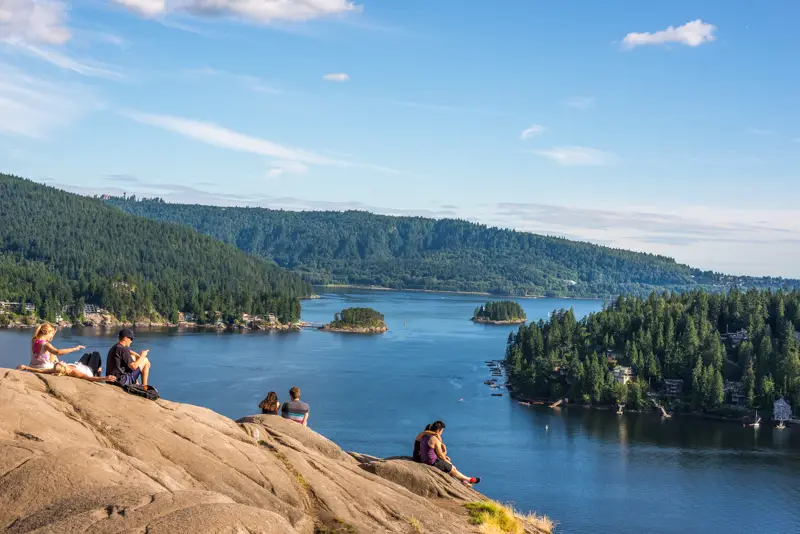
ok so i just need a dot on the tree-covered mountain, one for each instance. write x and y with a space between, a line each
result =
361 248
702 339
59 249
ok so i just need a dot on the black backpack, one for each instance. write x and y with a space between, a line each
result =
148 392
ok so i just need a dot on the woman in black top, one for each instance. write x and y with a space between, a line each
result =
270 405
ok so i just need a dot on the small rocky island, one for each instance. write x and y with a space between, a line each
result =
358 321
500 312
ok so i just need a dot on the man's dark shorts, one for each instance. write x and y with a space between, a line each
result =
130 378
441 465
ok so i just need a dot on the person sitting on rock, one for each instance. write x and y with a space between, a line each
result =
43 354
124 364
75 370
426 432
433 453
295 410
270 405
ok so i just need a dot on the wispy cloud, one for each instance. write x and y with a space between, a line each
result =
83 67
261 11
578 156
43 21
532 131
796 140
219 136
281 168
336 77
761 131
34 107
692 33
580 102
252 83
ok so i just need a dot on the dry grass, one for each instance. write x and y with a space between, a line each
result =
495 518
416 525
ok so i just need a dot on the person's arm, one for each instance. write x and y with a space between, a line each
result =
437 446
61 352
136 359
34 370
305 419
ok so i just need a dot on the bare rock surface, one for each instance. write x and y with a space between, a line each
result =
77 456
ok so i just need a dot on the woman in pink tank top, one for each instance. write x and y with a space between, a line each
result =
43 354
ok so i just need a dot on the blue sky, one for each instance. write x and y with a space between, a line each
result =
668 127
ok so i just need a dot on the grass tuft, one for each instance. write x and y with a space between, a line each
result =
416 525
495 518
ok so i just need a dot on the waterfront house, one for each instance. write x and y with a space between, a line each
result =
28 308
781 410
271 318
735 394
9 306
673 387
90 308
622 375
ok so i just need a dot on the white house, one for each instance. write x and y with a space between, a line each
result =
622 375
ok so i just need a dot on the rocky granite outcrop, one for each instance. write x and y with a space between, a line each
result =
77 456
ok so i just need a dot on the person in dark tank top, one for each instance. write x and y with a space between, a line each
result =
433 453
270 405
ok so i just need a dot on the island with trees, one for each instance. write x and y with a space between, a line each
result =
723 353
364 249
500 312
357 320
66 256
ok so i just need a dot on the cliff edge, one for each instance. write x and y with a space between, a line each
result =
77 456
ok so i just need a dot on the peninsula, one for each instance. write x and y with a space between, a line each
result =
100 460
357 321
500 312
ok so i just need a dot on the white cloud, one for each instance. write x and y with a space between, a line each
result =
580 102
578 156
34 21
336 77
532 131
692 33
280 168
263 11
796 140
83 67
147 8
33 107
290 159
761 131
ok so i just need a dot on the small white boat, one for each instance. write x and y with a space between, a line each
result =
757 422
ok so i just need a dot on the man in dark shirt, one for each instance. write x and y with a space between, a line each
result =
295 410
127 366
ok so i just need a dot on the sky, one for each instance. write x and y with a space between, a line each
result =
668 127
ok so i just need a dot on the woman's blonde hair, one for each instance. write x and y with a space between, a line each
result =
43 330
60 369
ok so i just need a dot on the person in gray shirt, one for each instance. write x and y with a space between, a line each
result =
295 410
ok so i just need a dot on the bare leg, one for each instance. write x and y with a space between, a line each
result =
457 474
144 366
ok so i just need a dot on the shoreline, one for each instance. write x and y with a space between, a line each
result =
450 292
479 320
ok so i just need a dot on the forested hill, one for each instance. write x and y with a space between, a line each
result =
416 253
57 249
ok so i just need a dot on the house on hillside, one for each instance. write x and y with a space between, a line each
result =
735 395
622 375
673 387
735 337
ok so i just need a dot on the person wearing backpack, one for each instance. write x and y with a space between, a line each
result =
126 365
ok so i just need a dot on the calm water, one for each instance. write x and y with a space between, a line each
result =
592 471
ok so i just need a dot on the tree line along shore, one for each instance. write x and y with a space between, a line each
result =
720 354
